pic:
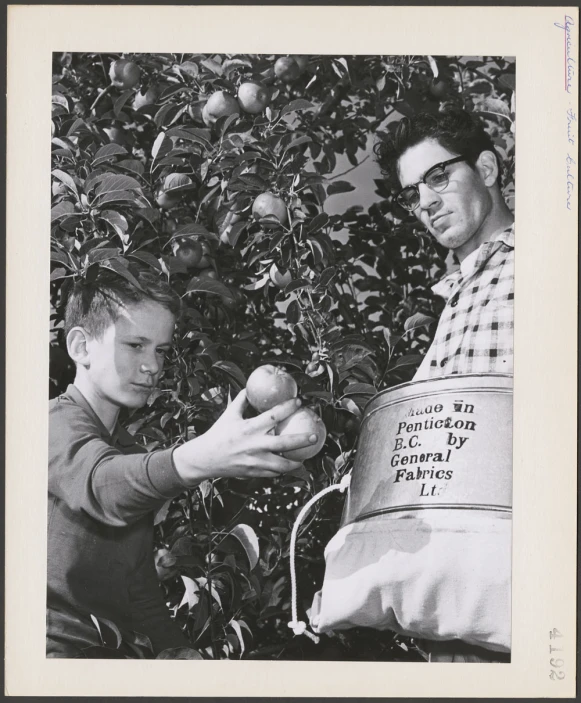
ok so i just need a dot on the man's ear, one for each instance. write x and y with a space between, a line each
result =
77 346
487 167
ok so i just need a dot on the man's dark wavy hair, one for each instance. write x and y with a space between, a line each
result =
454 129
94 305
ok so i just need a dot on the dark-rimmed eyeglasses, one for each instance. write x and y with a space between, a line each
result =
436 178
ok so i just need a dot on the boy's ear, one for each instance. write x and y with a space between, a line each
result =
77 346
488 167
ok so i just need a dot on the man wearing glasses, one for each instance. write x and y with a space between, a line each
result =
449 178
448 175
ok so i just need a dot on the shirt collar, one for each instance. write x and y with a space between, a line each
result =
120 436
504 237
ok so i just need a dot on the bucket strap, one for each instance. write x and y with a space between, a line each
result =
298 626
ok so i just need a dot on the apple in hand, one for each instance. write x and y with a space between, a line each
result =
268 386
303 420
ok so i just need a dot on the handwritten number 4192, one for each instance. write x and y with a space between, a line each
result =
556 663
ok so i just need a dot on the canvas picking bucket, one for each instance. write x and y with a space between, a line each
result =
424 547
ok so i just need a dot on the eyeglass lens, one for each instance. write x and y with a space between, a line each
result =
436 179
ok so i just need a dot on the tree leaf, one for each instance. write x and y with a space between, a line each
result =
161 514
116 219
114 183
194 230
408 360
238 630
132 165
228 121
232 370
297 142
508 81
58 273
339 187
108 631
318 222
296 285
96 255
115 265
260 283
358 388
180 653
433 66
190 68
248 539
191 594
296 105
121 100
157 144
147 258
293 313
67 180
206 285
107 153
65 207
212 66
417 320
494 105
234 232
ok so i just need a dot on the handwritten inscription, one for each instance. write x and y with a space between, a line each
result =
570 62
570 68
425 467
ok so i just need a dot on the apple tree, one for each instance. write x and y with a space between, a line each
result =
215 171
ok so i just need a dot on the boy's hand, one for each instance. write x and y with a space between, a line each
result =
237 448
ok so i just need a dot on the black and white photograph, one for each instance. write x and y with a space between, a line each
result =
298 271
280 419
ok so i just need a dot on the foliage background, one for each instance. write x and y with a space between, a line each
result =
354 319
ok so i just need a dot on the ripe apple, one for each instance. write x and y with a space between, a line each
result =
189 253
253 97
287 69
303 420
124 74
206 260
220 104
439 88
270 206
165 200
268 386
278 278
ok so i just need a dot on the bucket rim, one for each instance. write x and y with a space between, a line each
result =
419 382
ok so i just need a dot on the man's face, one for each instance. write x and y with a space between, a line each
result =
456 216
126 363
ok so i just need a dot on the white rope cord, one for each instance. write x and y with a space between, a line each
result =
298 626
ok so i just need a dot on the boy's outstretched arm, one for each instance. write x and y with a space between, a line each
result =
117 489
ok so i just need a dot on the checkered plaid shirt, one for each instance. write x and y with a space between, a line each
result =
475 331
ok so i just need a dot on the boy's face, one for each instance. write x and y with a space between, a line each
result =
125 364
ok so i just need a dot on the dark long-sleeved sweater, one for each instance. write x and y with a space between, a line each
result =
103 492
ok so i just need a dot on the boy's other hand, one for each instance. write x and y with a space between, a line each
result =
237 448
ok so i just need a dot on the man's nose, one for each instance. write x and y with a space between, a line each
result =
428 197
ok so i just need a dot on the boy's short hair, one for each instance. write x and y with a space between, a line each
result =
94 305
454 129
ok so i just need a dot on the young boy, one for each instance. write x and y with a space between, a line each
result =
104 489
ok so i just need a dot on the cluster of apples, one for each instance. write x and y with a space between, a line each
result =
252 97
268 386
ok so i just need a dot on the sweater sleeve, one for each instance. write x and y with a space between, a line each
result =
91 476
